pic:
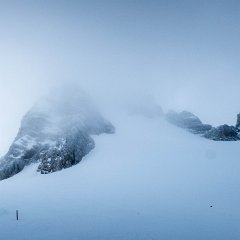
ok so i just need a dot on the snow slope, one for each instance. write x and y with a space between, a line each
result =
149 180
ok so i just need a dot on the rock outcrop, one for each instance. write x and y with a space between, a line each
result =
223 133
188 121
56 133
193 124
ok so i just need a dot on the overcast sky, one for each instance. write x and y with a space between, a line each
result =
186 54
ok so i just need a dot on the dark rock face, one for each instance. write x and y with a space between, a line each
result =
238 121
188 121
223 133
56 133
67 153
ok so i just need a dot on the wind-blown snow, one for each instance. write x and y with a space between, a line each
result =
149 180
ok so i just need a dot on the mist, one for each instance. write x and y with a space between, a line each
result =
184 55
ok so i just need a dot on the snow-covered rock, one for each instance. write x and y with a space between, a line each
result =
56 132
192 123
223 133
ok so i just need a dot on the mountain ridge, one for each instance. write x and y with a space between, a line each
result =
56 133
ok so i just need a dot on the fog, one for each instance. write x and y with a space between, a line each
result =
182 54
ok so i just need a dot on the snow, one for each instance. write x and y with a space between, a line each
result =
149 180
27 141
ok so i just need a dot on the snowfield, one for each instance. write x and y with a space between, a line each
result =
149 180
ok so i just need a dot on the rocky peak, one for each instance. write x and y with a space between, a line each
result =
56 132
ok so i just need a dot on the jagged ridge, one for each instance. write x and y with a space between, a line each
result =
192 123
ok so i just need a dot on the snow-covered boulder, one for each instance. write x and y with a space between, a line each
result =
56 132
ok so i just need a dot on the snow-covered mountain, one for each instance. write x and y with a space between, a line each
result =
56 133
149 180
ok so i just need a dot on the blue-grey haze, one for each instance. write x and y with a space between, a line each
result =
183 53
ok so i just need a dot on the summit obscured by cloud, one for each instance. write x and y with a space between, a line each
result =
185 54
